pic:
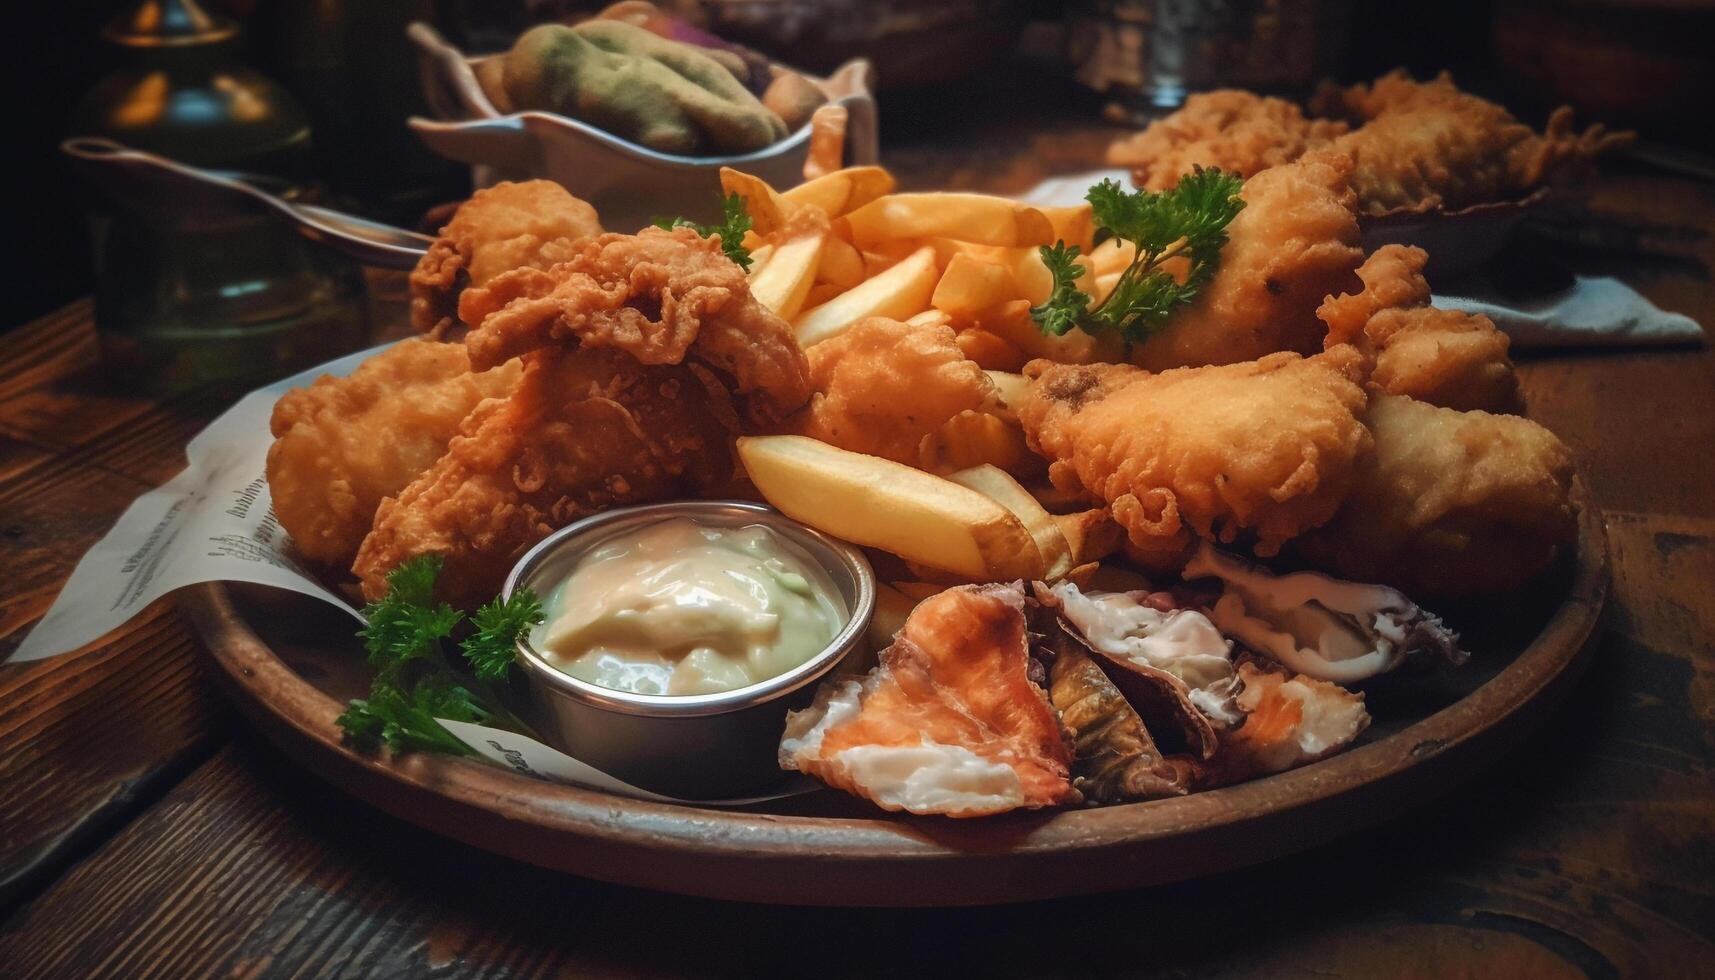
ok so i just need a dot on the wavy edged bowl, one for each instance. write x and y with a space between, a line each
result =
1458 242
629 184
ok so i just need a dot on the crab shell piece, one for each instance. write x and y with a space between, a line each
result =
1322 627
1114 759
1289 721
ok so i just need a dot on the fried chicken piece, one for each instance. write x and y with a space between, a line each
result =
887 388
1267 447
949 722
1450 503
585 430
530 224
342 444
1295 243
1428 145
1443 357
1238 131
660 296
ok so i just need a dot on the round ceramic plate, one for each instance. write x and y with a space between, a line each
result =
292 663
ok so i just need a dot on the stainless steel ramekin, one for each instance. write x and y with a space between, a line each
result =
696 746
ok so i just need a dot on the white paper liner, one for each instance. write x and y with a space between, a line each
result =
215 522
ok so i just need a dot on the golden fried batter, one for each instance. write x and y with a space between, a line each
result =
1450 503
1295 242
1238 131
1428 145
1447 358
884 387
342 444
1265 448
530 224
660 296
585 430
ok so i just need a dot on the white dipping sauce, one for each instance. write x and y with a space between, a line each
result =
678 607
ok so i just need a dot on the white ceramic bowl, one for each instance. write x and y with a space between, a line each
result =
630 185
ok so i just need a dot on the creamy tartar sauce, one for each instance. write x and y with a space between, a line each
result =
679 607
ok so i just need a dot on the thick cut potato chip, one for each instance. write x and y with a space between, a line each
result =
842 264
878 503
995 484
971 287
973 438
843 190
767 209
930 318
783 283
1075 225
1111 256
975 218
899 293
989 351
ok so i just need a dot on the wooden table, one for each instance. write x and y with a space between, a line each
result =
144 831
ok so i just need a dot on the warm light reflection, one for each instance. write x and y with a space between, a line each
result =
145 103
242 101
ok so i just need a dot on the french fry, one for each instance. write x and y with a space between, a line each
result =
759 256
1013 324
970 287
784 282
929 318
842 264
842 191
1011 386
975 218
878 503
972 438
1092 534
901 292
990 352
827 140
1075 225
1001 488
767 209
1058 501
1112 255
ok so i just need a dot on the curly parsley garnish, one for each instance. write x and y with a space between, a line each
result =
1190 220
735 221
414 682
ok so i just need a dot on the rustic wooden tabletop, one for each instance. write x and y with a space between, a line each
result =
145 831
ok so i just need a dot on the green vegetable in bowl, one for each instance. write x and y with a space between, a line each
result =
637 85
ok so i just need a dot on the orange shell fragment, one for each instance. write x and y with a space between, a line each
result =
949 722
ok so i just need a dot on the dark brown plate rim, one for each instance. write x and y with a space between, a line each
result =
908 861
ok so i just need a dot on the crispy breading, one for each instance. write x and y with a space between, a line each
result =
1443 357
885 387
342 444
584 430
1295 243
529 224
1238 131
660 296
1265 449
1450 503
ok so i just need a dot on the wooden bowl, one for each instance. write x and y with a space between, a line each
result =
291 662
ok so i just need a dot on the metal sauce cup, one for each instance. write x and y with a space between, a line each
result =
696 746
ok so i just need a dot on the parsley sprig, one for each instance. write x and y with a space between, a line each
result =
1190 221
735 221
415 682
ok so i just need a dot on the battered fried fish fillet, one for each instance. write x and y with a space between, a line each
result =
1265 448
1238 131
342 444
949 722
1450 503
660 296
530 224
585 430
1443 357
1295 243
1428 145
886 388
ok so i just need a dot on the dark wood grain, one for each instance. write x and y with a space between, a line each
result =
1588 851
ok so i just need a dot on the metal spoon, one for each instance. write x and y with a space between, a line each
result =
136 177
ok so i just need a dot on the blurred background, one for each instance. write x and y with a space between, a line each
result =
315 94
